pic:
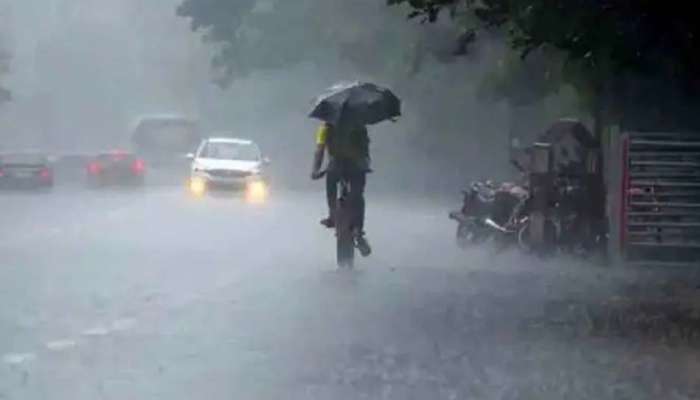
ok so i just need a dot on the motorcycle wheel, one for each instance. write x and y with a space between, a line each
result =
467 236
524 243
524 238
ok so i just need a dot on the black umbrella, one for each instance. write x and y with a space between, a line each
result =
356 103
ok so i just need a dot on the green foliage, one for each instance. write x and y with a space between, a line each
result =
271 34
248 36
523 81
601 39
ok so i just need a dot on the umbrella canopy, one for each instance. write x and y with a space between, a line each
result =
356 103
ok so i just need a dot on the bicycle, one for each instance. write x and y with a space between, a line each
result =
344 218
344 227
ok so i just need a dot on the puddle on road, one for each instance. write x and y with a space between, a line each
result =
96 331
61 345
123 324
18 358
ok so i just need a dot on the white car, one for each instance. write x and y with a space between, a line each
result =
228 164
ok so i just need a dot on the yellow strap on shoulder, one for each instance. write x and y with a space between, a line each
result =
322 135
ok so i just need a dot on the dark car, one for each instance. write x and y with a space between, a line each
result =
116 168
25 171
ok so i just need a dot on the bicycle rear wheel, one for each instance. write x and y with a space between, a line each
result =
345 242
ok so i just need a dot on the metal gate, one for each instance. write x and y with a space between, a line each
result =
660 213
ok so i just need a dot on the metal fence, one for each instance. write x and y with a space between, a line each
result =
660 198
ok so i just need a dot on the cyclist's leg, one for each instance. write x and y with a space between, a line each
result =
358 181
331 197
357 193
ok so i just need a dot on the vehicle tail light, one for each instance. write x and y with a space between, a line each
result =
138 167
45 174
94 168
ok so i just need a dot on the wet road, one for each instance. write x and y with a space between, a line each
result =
155 295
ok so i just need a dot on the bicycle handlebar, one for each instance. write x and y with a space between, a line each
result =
320 175
324 172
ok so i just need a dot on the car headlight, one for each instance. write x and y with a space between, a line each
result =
198 186
256 191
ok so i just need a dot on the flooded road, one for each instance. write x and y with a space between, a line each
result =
156 295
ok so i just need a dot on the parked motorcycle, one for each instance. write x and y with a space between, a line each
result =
501 215
491 213
477 202
510 216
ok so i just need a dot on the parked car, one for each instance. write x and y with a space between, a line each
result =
25 171
231 164
115 168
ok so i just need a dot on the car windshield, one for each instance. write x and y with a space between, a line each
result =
243 151
22 158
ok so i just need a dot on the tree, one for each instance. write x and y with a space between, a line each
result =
267 34
609 35
609 46
523 81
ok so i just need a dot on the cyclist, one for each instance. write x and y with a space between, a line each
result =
348 158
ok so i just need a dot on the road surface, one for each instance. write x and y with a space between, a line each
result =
155 295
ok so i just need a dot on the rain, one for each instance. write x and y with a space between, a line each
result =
325 199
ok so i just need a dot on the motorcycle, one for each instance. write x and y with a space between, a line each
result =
490 213
477 202
501 215
511 216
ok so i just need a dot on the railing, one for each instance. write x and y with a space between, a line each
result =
660 215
